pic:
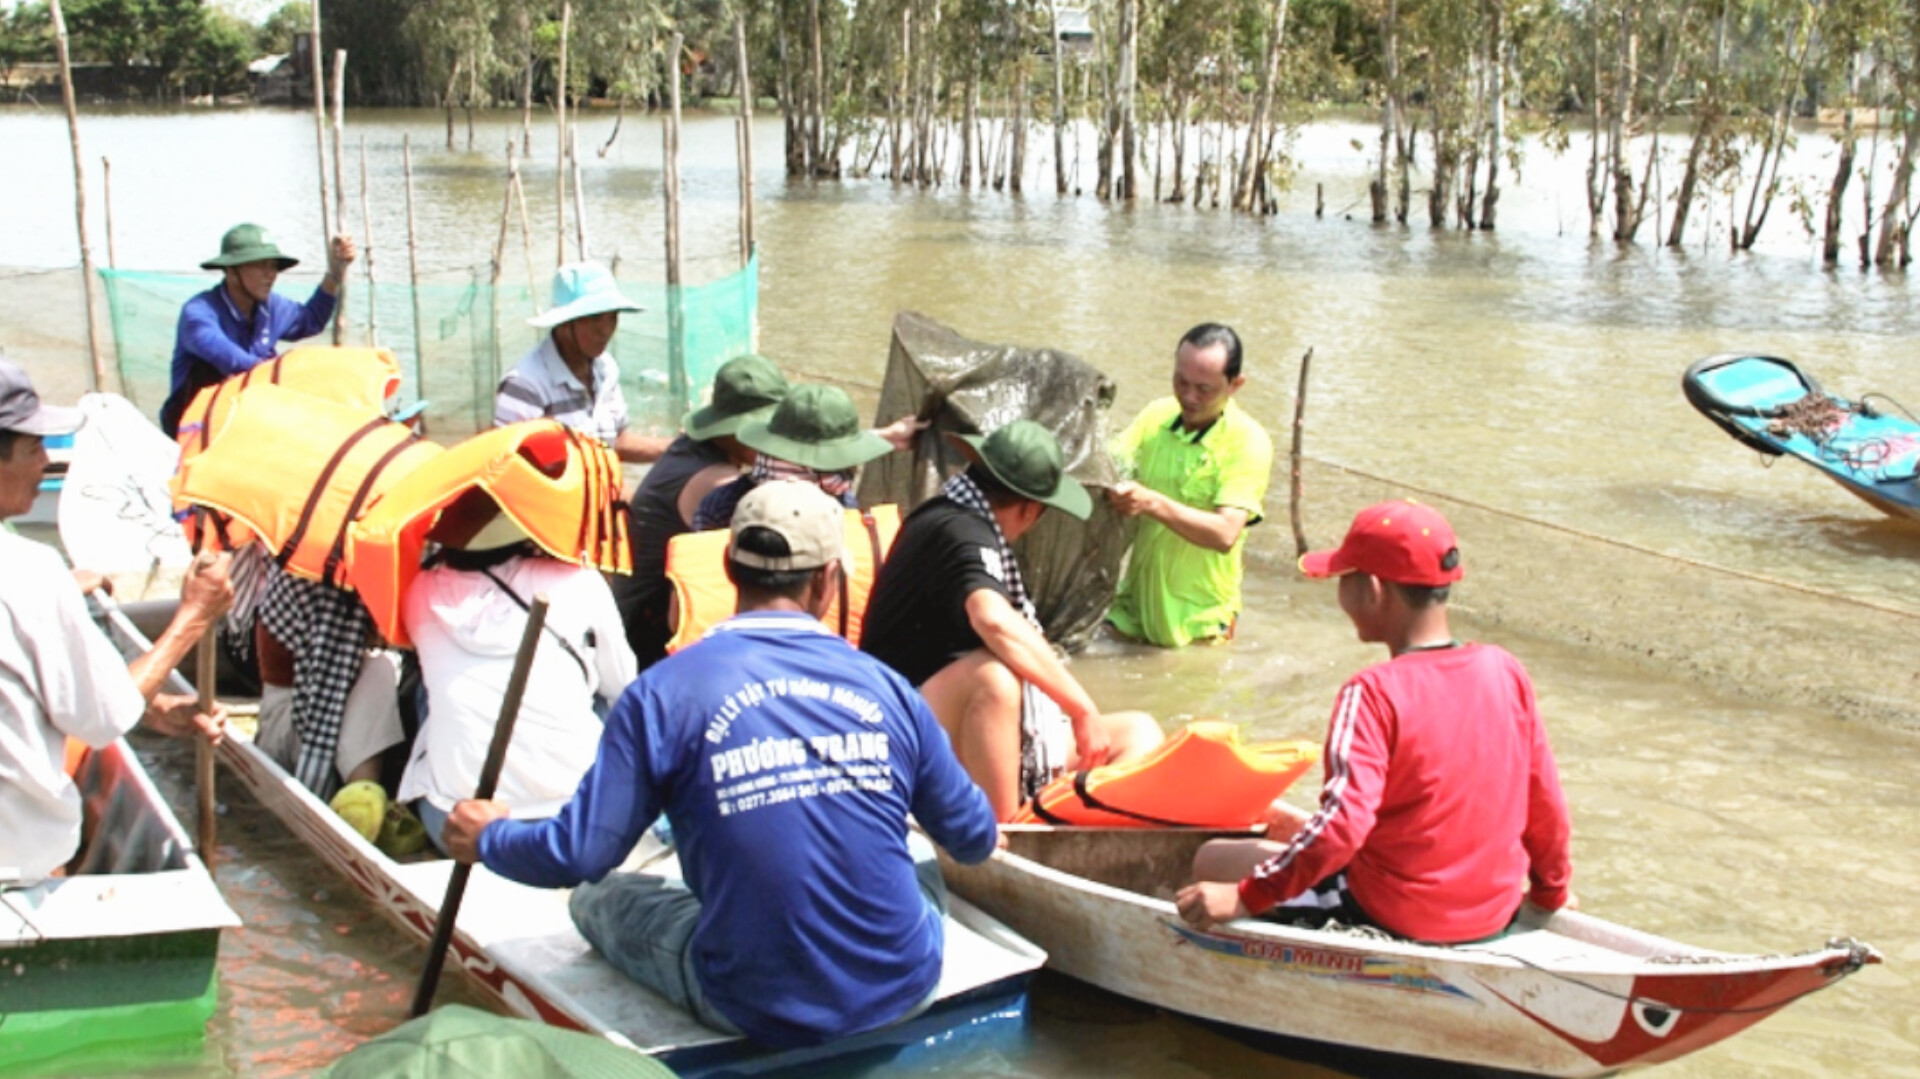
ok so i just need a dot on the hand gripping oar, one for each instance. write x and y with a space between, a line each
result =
204 677
489 779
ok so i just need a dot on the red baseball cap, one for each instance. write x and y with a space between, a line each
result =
1402 542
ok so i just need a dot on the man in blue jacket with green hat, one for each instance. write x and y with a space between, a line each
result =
240 322
570 376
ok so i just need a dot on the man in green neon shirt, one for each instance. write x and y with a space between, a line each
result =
1200 467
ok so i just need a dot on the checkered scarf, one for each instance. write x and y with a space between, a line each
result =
326 630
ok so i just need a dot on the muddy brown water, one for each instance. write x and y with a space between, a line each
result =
1725 654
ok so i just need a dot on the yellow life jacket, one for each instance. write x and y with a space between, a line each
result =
561 488
697 570
295 470
1202 777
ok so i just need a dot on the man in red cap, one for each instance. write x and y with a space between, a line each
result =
1441 810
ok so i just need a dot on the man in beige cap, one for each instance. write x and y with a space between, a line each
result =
788 764
60 677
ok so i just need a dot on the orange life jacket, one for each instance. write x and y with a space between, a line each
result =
296 470
1202 777
561 488
360 378
697 570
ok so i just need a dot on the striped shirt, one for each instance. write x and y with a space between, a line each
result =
541 386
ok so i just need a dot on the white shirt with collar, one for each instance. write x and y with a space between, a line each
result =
541 385
59 677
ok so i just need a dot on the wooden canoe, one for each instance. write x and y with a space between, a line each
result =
116 962
518 946
1567 995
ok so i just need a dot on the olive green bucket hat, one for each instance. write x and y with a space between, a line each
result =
455 1042
248 243
816 426
1026 458
745 388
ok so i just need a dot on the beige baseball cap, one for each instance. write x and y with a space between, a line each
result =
802 514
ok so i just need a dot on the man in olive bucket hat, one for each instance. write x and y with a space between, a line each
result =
950 612
707 457
570 376
814 435
240 322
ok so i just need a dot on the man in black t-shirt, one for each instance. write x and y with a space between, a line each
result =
951 614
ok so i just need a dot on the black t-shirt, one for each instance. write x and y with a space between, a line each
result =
653 519
916 619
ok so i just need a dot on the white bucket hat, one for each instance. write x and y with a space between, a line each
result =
581 289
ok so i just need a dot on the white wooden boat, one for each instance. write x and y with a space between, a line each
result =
518 946
1567 995
117 961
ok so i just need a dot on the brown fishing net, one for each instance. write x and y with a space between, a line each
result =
1815 415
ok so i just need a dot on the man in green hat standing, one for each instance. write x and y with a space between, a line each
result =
950 612
241 321
570 376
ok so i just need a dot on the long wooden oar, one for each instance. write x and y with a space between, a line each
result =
489 779
203 780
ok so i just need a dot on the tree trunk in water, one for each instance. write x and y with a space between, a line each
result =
817 98
1690 179
1180 106
1389 119
1442 185
1497 112
792 112
1059 103
1129 51
1626 220
1018 167
969 129
1258 148
1830 243
446 99
1888 252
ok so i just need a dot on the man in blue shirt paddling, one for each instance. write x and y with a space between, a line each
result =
787 763
240 322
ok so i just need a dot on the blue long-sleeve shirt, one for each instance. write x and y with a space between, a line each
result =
787 763
214 341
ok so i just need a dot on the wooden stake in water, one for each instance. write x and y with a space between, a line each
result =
106 196
560 116
340 319
1299 431
579 196
366 250
413 271
489 780
676 330
205 674
320 123
79 193
746 139
526 237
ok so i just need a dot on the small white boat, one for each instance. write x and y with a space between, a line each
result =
1567 995
519 947
115 962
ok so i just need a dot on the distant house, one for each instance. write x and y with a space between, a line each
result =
274 79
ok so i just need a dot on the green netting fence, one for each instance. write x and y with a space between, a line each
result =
466 333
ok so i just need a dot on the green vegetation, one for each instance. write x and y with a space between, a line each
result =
155 48
1673 102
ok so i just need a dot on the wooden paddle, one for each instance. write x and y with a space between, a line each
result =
202 749
489 779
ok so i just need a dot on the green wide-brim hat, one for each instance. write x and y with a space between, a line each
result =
1026 459
248 243
746 388
455 1042
816 426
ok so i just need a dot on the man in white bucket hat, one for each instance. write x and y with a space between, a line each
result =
570 376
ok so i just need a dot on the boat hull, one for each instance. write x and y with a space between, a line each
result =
1567 996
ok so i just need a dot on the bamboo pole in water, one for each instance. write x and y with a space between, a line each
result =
1299 432
676 345
339 187
320 122
560 115
413 270
746 139
483 403
526 239
79 192
579 196
366 253
106 197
